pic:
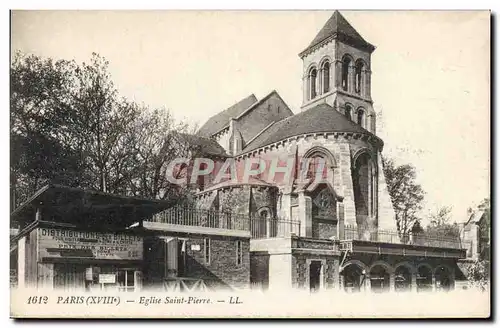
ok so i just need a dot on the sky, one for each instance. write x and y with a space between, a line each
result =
430 74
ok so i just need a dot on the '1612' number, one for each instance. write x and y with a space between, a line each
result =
38 300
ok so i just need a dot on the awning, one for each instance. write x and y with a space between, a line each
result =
83 207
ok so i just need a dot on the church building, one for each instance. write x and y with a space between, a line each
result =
342 232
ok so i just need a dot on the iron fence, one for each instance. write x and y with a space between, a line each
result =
394 237
202 218
271 228
259 227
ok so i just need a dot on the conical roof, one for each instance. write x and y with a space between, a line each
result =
338 27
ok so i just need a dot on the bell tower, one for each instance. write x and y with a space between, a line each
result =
336 67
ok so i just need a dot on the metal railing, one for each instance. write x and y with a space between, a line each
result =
272 227
394 237
202 218
260 228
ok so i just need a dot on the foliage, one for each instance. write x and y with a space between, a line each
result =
70 126
406 194
478 274
440 224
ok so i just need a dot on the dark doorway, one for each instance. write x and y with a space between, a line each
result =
379 279
181 258
402 279
315 276
424 278
353 278
444 280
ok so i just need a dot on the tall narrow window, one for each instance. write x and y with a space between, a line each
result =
347 112
346 62
239 252
361 115
207 250
359 76
312 83
326 77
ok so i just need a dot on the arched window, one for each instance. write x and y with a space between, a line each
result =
325 70
311 83
314 74
317 167
348 111
361 116
264 213
364 186
346 62
358 76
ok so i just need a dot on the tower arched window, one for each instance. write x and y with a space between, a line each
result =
311 83
358 80
346 62
348 112
361 117
325 78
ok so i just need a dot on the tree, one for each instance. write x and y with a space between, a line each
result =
406 194
70 126
478 274
101 124
156 145
40 101
440 225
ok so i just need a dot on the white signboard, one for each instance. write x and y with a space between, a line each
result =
62 243
195 247
107 278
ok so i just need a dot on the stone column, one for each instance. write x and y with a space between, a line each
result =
433 282
368 283
352 79
340 223
305 215
367 84
413 284
284 209
338 74
392 282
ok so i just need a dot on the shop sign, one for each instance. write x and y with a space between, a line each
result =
62 243
107 278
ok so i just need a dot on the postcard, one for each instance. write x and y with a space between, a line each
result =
250 164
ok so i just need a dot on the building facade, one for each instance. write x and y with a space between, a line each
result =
321 219
340 232
69 238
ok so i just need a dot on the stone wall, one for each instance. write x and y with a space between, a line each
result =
221 271
223 267
259 269
330 267
271 109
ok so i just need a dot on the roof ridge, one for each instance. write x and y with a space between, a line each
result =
295 125
255 104
219 121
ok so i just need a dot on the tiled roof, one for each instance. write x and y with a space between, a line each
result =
337 24
220 120
322 118
206 145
